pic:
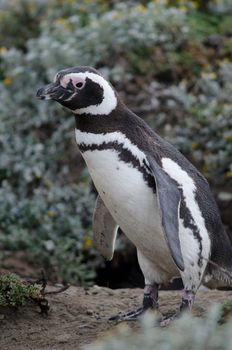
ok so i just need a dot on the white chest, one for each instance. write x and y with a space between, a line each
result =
130 201
122 188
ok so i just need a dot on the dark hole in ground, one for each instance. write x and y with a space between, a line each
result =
124 272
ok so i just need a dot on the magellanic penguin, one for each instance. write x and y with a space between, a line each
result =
146 187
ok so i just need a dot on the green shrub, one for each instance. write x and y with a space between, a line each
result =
53 227
15 293
206 136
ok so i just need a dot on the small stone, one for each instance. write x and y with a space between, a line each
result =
225 196
49 245
89 312
96 289
2 317
63 338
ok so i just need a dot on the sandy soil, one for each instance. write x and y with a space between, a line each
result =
78 316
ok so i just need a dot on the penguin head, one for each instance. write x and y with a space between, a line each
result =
82 90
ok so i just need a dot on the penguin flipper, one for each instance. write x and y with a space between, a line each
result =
169 202
104 229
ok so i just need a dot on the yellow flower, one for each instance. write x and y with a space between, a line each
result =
229 174
183 83
205 170
228 137
64 23
51 213
48 183
211 75
183 8
7 81
141 7
194 4
225 60
227 106
2 49
194 145
86 243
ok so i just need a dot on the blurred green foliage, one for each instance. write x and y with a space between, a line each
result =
14 293
207 137
188 332
45 208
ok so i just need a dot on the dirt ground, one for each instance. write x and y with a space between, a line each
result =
78 317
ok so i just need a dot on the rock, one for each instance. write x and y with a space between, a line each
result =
89 312
49 245
63 338
225 196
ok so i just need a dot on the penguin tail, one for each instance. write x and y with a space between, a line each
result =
222 276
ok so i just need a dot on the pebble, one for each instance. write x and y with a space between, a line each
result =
49 245
225 196
89 312
63 338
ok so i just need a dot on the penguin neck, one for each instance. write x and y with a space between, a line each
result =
103 123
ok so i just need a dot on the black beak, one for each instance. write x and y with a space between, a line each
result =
52 91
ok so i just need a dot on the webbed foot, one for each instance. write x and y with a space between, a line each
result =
186 304
150 302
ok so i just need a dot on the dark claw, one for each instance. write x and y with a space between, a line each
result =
166 321
130 316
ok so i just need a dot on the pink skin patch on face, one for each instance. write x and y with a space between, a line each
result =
77 82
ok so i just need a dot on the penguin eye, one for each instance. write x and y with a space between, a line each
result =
79 85
78 82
